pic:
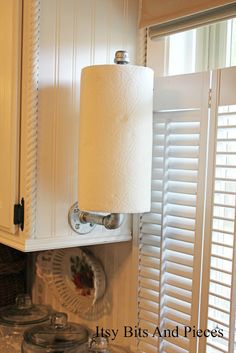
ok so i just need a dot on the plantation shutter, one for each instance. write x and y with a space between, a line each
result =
170 235
219 274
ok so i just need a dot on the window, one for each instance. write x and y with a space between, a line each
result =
187 263
206 48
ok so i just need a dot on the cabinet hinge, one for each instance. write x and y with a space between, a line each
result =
19 210
209 98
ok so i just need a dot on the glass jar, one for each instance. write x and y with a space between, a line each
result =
60 336
15 319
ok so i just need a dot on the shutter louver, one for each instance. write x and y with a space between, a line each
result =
170 234
220 263
221 299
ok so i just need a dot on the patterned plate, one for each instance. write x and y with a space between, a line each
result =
76 277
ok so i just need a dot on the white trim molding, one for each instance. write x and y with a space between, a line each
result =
29 113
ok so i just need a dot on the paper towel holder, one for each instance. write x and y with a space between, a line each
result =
84 222
132 116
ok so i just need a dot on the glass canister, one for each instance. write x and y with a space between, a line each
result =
15 319
60 336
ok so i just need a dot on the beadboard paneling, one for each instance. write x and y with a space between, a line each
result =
73 34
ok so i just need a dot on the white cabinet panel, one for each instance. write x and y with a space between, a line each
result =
10 67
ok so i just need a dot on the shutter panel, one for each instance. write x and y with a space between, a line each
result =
219 275
170 235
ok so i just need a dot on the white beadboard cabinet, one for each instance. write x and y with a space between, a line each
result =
38 153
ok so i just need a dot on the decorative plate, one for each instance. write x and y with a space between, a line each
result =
77 279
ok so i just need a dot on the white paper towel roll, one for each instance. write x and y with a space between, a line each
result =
115 139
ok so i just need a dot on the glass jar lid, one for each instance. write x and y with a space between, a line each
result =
99 344
23 312
58 335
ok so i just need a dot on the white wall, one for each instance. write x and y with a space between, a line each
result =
74 34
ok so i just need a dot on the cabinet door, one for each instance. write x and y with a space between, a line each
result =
10 70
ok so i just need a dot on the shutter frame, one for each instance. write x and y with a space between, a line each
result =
167 233
219 254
